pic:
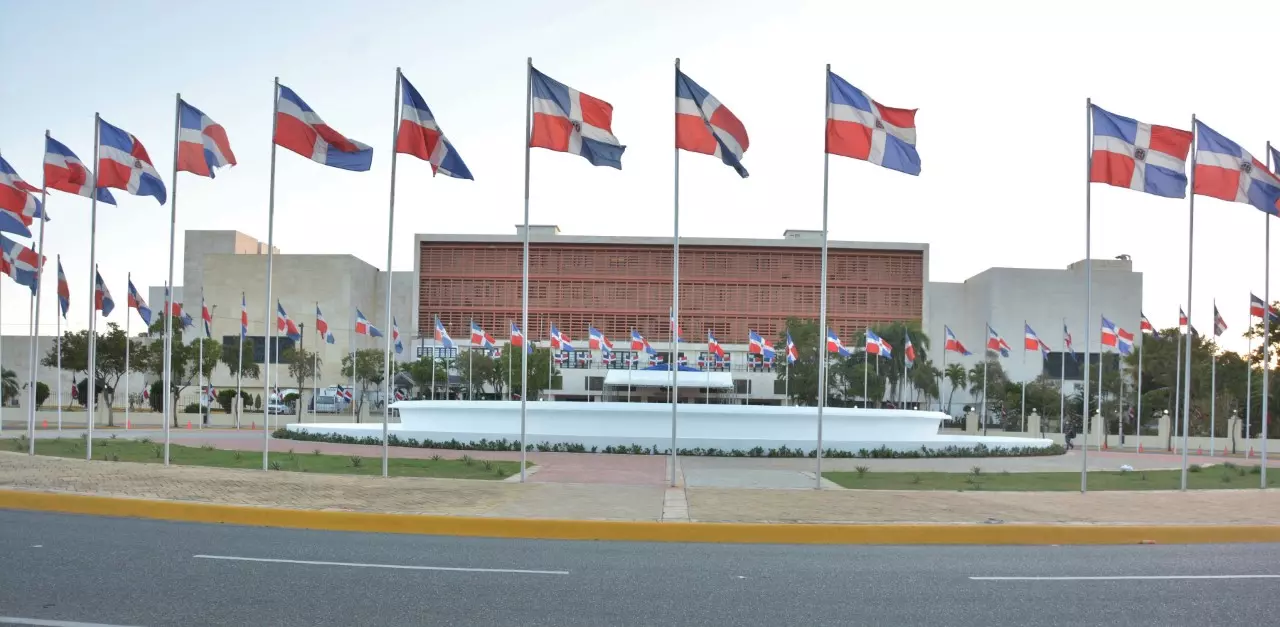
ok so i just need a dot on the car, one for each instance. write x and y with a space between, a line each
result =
278 409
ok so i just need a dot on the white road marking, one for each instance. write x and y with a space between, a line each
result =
10 620
1126 578
511 571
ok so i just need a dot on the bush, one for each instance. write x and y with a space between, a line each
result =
862 470
191 408
257 402
157 398
42 393
1193 468
224 399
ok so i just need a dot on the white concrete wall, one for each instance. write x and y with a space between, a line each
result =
15 356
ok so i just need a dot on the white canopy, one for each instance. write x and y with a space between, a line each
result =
662 379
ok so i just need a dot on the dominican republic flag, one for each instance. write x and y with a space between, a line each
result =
175 309
567 120
64 290
1033 342
713 345
1226 171
1219 324
420 136
909 353
1142 157
705 126
792 353
1145 326
102 300
1182 317
755 343
638 342
1124 341
322 327
479 337
861 128
1066 342
299 129
211 392
364 327
244 317
442 336
834 345
202 143
996 344
1108 332
682 360
18 201
136 302
286 324
952 344
1256 307
400 396
559 358
517 336
123 164
65 172
596 339
344 393
19 262
206 318
876 345
395 336
555 338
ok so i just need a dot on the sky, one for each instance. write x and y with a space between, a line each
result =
1000 88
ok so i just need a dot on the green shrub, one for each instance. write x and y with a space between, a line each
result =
356 461
42 393
1193 468
862 470
158 451
191 408
275 466
976 471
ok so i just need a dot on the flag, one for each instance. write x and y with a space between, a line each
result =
1032 342
136 302
1226 171
638 342
766 351
1256 307
517 337
706 126
19 262
479 337
400 396
1182 318
211 392
595 339
1145 326
286 324
202 143
187 321
64 291
344 393
675 328
244 317
1219 325
909 353
420 136
565 342
322 326
834 345
877 346
1066 343
123 164
713 345
364 327
395 336
64 171
996 344
952 344
102 300
1124 341
861 128
755 343
146 394
1108 332
442 336
682 360
555 338
299 129
208 319
1142 157
18 201
792 353
175 309
567 120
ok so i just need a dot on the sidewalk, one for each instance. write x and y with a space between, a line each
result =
618 502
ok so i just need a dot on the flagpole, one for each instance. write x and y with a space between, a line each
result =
1062 382
351 346
391 219
35 321
127 321
1088 288
985 361
1248 386
1177 385
1024 368
1102 437
167 405
90 386
57 320
204 396
675 290
1213 382
1191 238
1137 418
524 288
1266 336
269 336
236 405
822 285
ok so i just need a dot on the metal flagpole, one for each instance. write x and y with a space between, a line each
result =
471 390
866 394
391 218
1137 417
1062 382
1266 338
58 325
433 370
90 385
1088 288
786 387
35 325
674 366
1191 238
269 336
168 403
524 288
1102 436
236 404
351 345
985 360
1213 382
204 396
944 371
1248 385
1177 385
822 285
127 319
1024 368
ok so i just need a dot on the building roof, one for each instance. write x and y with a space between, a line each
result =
547 234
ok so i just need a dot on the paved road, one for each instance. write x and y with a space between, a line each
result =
132 572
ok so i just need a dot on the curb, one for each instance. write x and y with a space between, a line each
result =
636 531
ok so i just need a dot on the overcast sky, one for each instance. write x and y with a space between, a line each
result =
1001 92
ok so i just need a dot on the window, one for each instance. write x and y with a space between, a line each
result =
282 344
594 384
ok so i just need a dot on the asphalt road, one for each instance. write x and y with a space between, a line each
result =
89 570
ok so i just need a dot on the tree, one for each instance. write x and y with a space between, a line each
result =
234 356
958 378
924 378
475 368
304 365
183 358
367 372
10 383
421 373
42 393
109 355
540 372
804 372
75 354
993 382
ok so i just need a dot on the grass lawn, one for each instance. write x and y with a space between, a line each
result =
303 460
1216 477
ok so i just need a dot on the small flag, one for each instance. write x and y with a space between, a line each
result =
595 339
64 291
1108 332
136 302
299 129
713 345
1124 341
102 300
420 136
952 344
19 262
996 344
834 345
1219 324
1142 157
675 328
322 327
1228 172
517 336
479 337
909 353
792 353
704 125
64 171
755 343
395 336
877 346
1256 306
1182 317
208 319
861 128
286 324
244 317
442 336
202 143
1145 326
1066 342
567 120
364 327
123 163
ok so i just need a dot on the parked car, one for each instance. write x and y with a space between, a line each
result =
278 409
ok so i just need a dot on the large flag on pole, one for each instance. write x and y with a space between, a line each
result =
64 171
1256 307
19 262
1143 157
102 297
395 336
123 163
202 143
300 129
136 302
64 290
1228 172
322 327
567 120
1108 332
364 327
286 324
952 344
706 126
18 201
834 345
861 128
996 344
420 135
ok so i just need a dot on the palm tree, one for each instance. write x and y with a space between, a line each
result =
10 384
957 376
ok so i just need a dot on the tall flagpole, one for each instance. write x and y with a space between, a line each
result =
127 320
1062 381
524 289
674 366
1191 239
236 404
1137 418
1213 382
57 320
1102 437
1177 385
391 220
985 361
1266 335
90 386
168 402
35 321
1088 288
1248 386
204 396
269 335
822 284
1024 368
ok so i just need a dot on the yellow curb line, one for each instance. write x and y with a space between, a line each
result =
637 531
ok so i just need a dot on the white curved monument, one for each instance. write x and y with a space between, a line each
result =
724 427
